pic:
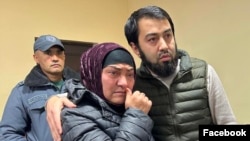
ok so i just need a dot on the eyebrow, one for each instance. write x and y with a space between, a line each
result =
168 30
153 34
118 68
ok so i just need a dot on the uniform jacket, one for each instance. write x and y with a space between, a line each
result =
94 120
177 111
24 117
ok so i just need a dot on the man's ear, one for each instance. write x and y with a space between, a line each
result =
135 49
35 58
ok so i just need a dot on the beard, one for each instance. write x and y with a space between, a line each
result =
163 70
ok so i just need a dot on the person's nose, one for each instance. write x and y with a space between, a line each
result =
54 57
122 81
163 44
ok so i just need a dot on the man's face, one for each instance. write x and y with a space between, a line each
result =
51 61
156 46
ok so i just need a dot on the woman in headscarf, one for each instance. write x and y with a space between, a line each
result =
106 110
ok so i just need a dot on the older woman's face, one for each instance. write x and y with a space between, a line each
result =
115 79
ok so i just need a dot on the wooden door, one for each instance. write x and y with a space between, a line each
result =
73 51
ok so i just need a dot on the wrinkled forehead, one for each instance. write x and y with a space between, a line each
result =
121 66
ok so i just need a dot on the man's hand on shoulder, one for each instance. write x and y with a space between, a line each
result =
53 108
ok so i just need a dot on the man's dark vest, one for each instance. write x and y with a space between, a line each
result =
177 112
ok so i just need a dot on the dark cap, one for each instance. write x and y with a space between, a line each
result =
45 42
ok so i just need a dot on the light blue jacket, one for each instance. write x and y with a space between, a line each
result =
24 117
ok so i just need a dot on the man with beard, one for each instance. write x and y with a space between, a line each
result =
185 92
